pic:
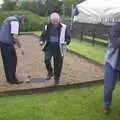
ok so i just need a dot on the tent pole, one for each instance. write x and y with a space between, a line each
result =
72 16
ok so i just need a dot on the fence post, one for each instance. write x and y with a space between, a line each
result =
81 34
94 35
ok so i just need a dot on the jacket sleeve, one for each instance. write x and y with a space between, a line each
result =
43 35
67 36
114 36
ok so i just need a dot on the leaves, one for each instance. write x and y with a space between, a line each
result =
41 7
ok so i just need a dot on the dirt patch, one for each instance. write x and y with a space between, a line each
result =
75 69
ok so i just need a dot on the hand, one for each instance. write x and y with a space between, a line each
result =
41 43
65 43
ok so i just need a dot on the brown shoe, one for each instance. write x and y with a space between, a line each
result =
49 75
106 110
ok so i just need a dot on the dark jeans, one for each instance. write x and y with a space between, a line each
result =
9 61
110 79
53 51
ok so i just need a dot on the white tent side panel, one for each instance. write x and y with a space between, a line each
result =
92 11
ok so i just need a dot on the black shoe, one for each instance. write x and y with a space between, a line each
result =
15 82
56 81
49 76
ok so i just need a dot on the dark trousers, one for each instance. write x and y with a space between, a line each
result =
9 61
54 52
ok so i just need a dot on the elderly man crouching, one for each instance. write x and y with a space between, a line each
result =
8 38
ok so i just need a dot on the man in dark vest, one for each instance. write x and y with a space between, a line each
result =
56 36
8 38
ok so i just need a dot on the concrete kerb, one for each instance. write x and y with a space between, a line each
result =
51 88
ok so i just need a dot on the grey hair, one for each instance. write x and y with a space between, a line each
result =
54 16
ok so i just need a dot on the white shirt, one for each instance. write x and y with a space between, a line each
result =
14 27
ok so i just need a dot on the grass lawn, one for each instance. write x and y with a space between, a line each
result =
96 52
68 104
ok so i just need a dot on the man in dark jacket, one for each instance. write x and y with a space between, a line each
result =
55 36
8 38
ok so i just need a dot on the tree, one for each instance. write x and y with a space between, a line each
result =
9 5
55 6
37 7
41 7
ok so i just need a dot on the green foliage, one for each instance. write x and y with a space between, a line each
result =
34 23
70 2
9 5
41 7
55 6
36 7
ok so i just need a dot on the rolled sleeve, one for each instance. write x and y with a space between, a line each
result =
14 27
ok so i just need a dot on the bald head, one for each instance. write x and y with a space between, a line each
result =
55 18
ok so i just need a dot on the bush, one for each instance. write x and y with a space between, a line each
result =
34 23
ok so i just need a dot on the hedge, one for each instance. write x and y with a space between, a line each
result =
34 23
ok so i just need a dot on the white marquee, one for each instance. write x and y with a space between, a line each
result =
102 11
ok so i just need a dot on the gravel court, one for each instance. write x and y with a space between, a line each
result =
75 69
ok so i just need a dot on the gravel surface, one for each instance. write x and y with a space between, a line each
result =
75 69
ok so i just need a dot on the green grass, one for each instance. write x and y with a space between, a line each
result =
37 33
68 104
96 52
